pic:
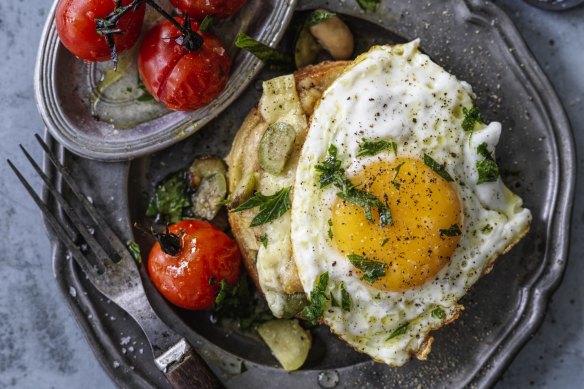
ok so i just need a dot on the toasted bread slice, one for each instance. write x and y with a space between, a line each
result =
245 170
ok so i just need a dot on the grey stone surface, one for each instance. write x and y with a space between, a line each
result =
40 344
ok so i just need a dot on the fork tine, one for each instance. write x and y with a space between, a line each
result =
120 248
99 252
79 257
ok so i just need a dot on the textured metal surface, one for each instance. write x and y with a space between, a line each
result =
474 41
65 85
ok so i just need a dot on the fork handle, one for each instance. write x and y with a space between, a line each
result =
192 372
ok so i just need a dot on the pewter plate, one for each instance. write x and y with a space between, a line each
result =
473 40
100 114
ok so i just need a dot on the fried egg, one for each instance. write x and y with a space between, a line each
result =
400 129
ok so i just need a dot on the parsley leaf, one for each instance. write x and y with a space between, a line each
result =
368 5
332 173
372 270
318 300
454 230
399 331
169 200
487 168
370 148
439 169
471 117
271 207
263 51
135 251
439 313
319 16
346 301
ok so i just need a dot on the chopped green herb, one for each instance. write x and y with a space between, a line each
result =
332 173
318 300
169 200
346 301
368 5
487 168
439 313
439 169
212 280
264 240
271 207
372 270
471 117
393 181
370 148
207 22
399 331
487 229
135 251
319 16
384 242
234 301
454 230
334 302
263 51
330 229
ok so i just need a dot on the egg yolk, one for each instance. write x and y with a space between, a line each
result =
413 247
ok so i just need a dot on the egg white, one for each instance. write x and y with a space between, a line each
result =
397 93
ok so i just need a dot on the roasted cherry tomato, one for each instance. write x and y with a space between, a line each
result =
75 21
198 9
180 78
206 256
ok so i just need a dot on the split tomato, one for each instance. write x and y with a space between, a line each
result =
198 9
182 78
190 277
76 27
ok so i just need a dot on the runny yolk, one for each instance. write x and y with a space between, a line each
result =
421 203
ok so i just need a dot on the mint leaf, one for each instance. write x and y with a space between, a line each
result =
271 207
263 51
472 116
372 270
487 168
170 200
368 5
439 169
318 300
319 16
454 230
346 301
370 148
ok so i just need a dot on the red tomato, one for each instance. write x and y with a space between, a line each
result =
206 253
182 79
198 9
75 21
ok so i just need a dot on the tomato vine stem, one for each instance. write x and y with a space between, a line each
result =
107 26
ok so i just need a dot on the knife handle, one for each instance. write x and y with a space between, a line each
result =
192 372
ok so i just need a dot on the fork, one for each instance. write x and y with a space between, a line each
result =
116 276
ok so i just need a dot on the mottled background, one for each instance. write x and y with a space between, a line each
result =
42 347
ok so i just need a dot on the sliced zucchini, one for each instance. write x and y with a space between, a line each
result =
306 49
289 342
244 190
276 146
207 179
204 167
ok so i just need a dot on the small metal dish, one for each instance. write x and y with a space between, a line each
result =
88 121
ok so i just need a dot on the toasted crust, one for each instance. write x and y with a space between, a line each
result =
243 161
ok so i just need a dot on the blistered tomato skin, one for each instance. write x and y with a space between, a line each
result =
75 20
181 79
191 279
198 9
